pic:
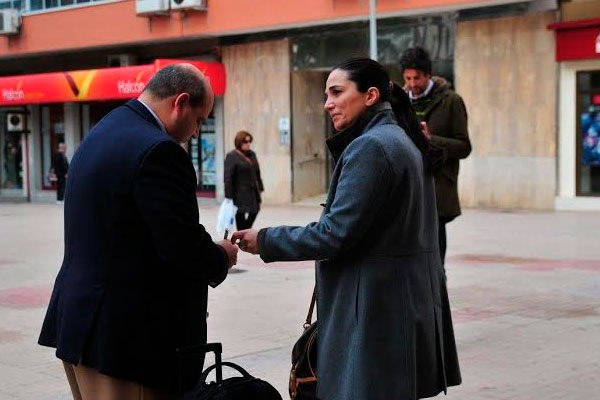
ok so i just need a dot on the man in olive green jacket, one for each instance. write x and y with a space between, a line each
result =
445 116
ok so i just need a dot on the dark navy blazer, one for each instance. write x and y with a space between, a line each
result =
133 283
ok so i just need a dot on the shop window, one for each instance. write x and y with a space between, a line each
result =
35 5
16 4
203 152
588 133
12 161
53 132
323 50
40 5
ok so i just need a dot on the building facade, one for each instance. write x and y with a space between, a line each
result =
274 59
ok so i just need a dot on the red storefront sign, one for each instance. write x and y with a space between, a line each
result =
577 40
95 84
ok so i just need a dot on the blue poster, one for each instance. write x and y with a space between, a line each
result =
590 132
209 171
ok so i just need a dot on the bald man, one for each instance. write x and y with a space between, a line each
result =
132 288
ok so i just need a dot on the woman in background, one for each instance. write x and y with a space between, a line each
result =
243 183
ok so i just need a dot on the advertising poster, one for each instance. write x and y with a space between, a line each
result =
590 132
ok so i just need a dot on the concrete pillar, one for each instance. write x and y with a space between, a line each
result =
219 147
72 128
36 172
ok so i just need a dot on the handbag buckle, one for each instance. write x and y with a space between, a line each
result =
293 384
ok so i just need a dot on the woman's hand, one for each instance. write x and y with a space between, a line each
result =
247 240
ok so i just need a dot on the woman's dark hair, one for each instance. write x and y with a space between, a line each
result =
240 137
366 73
407 119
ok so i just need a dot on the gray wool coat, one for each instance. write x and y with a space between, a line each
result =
385 330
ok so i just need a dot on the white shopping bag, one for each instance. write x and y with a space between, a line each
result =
226 217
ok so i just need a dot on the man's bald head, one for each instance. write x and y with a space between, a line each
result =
181 97
179 78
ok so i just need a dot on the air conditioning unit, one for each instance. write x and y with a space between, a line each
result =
122 60
10 21
199 5
152 7
15 122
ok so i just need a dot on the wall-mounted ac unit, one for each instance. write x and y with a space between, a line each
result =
199 5
10 21
15 122
152 7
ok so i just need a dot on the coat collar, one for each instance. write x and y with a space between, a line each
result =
441 90
142 111
379 114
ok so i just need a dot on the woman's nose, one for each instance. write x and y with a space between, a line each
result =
328 105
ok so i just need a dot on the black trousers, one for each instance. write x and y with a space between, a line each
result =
241 222
60 189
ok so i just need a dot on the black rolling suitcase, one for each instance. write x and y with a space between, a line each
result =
245 387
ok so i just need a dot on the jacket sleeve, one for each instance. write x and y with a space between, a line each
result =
229 176
362 187
258 177
164 190
457 143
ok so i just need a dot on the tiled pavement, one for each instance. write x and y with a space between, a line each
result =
524 288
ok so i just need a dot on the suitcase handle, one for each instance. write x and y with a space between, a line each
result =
219 368
216 348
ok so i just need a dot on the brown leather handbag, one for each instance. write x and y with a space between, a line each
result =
303 376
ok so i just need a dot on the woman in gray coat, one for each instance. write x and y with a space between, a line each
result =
385 330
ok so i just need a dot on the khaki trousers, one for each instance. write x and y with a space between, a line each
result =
89 384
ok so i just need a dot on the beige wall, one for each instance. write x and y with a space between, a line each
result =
506 73
257 96
580 9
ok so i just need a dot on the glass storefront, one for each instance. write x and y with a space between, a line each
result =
588 133
12 161
40 5
203 152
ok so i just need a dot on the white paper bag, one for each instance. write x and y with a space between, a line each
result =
226 216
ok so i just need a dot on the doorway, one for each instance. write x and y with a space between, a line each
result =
309 123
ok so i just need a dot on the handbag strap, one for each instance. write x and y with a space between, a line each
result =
311 308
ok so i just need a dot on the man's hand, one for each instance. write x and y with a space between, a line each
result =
247 240
231 251
425 130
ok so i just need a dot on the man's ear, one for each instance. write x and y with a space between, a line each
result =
373 96
182 100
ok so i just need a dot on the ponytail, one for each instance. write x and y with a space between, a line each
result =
433 157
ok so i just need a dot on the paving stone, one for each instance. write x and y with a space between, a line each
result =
524 288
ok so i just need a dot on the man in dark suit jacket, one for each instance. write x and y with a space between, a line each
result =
132 288
61 168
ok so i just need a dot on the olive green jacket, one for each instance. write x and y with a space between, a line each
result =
446 118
